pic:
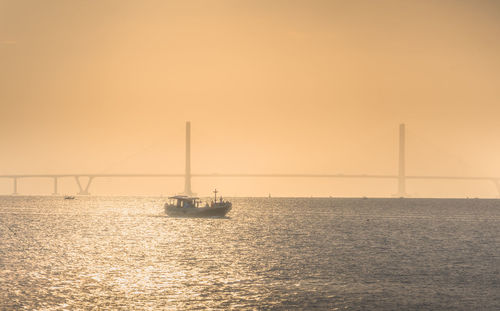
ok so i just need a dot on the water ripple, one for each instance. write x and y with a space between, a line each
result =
278 254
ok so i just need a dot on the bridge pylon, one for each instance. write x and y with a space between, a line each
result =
55 187
187 174
402 163
497 185
14 186
84 191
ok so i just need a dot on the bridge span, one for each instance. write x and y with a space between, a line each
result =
84 180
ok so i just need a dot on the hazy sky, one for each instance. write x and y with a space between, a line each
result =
269 86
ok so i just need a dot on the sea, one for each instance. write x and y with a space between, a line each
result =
124 253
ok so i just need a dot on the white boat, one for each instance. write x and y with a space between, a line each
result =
187 206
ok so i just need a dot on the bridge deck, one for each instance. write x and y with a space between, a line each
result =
380 176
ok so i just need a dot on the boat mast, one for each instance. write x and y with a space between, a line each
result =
215 191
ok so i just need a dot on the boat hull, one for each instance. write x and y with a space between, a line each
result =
174 211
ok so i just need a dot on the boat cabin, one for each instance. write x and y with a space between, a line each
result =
184 201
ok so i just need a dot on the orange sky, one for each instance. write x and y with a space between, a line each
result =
269 86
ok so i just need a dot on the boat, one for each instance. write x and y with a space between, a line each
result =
188 206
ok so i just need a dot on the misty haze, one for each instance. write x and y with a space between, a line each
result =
282 155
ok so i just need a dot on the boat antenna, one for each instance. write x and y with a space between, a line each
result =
215 191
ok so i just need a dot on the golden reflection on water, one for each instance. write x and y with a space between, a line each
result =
123 253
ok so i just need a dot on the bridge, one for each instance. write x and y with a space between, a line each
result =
84 181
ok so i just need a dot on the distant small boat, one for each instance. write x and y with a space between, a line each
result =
186 206
69 197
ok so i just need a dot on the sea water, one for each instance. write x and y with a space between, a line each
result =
123 253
